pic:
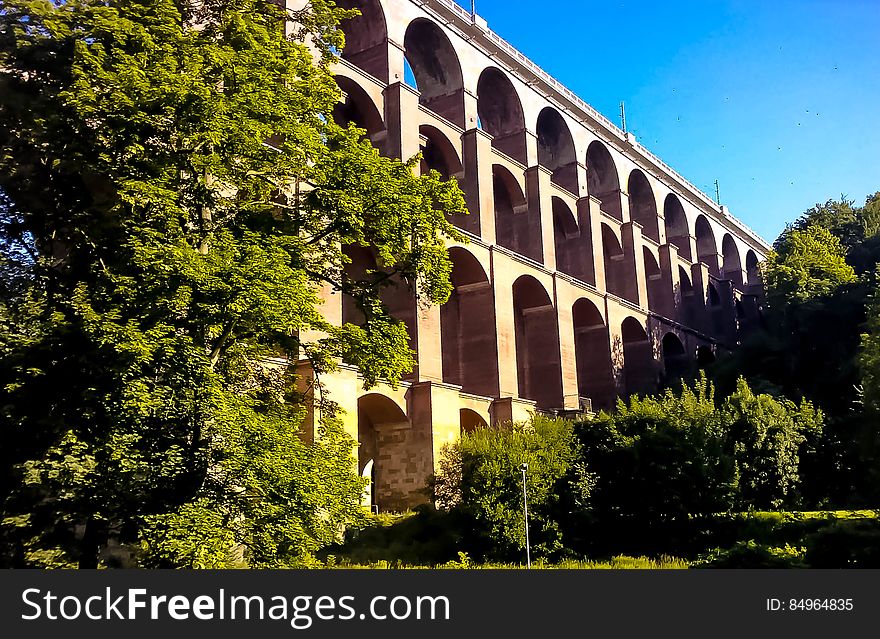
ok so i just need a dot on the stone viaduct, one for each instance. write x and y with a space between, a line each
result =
593 270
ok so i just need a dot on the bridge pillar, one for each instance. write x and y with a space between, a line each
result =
505 327
539 197
591 208
700 281
632 244
477 145
671 301
402 117
564 299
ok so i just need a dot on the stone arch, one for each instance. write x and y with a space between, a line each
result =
616 275
436 68
500 113
513 227
556 149
657 298
676 364
603 182
396 295
358 108
470 420
733 269
753 270
643 205
639 374
467 328
592 344
677 232
383 433
707 247
366 38
539 370
571 254
716 309
439 154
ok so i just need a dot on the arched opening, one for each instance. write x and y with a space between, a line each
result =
513 227
707 248
436 69
705 357
753 271
639 375
467 328
500 113
657 298
602 181
384 435
592 347
395 294
733 269
676 364
572 255
556 149
357 108
438 154
617 279
677 232
689 309
539 370
471 420
642 205
366 38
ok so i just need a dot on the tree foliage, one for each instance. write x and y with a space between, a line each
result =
480 478
174 195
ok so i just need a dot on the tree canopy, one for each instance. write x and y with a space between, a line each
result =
174 195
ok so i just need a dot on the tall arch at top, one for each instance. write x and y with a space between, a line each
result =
753 270
359 109
602 180
501 113
556 149
436 69
733 269
642 205
707 247
677 232
366 38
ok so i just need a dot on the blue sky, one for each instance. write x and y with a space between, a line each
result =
779 100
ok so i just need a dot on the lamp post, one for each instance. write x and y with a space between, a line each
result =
524 468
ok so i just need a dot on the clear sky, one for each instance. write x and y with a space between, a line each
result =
779 100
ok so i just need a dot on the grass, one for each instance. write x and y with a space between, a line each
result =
616 563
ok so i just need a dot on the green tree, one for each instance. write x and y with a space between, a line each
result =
766 436
175 194
480 479
869 359
660 459
805 264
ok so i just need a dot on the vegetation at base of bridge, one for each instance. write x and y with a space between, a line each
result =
427 538
156 251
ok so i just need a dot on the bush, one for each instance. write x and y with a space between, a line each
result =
750 554
480 479
660 459
766 435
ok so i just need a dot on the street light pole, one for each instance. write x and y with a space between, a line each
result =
524 468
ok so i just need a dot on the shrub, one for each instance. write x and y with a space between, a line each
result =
660 459
480 478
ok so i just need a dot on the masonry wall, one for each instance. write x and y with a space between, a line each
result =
592 269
